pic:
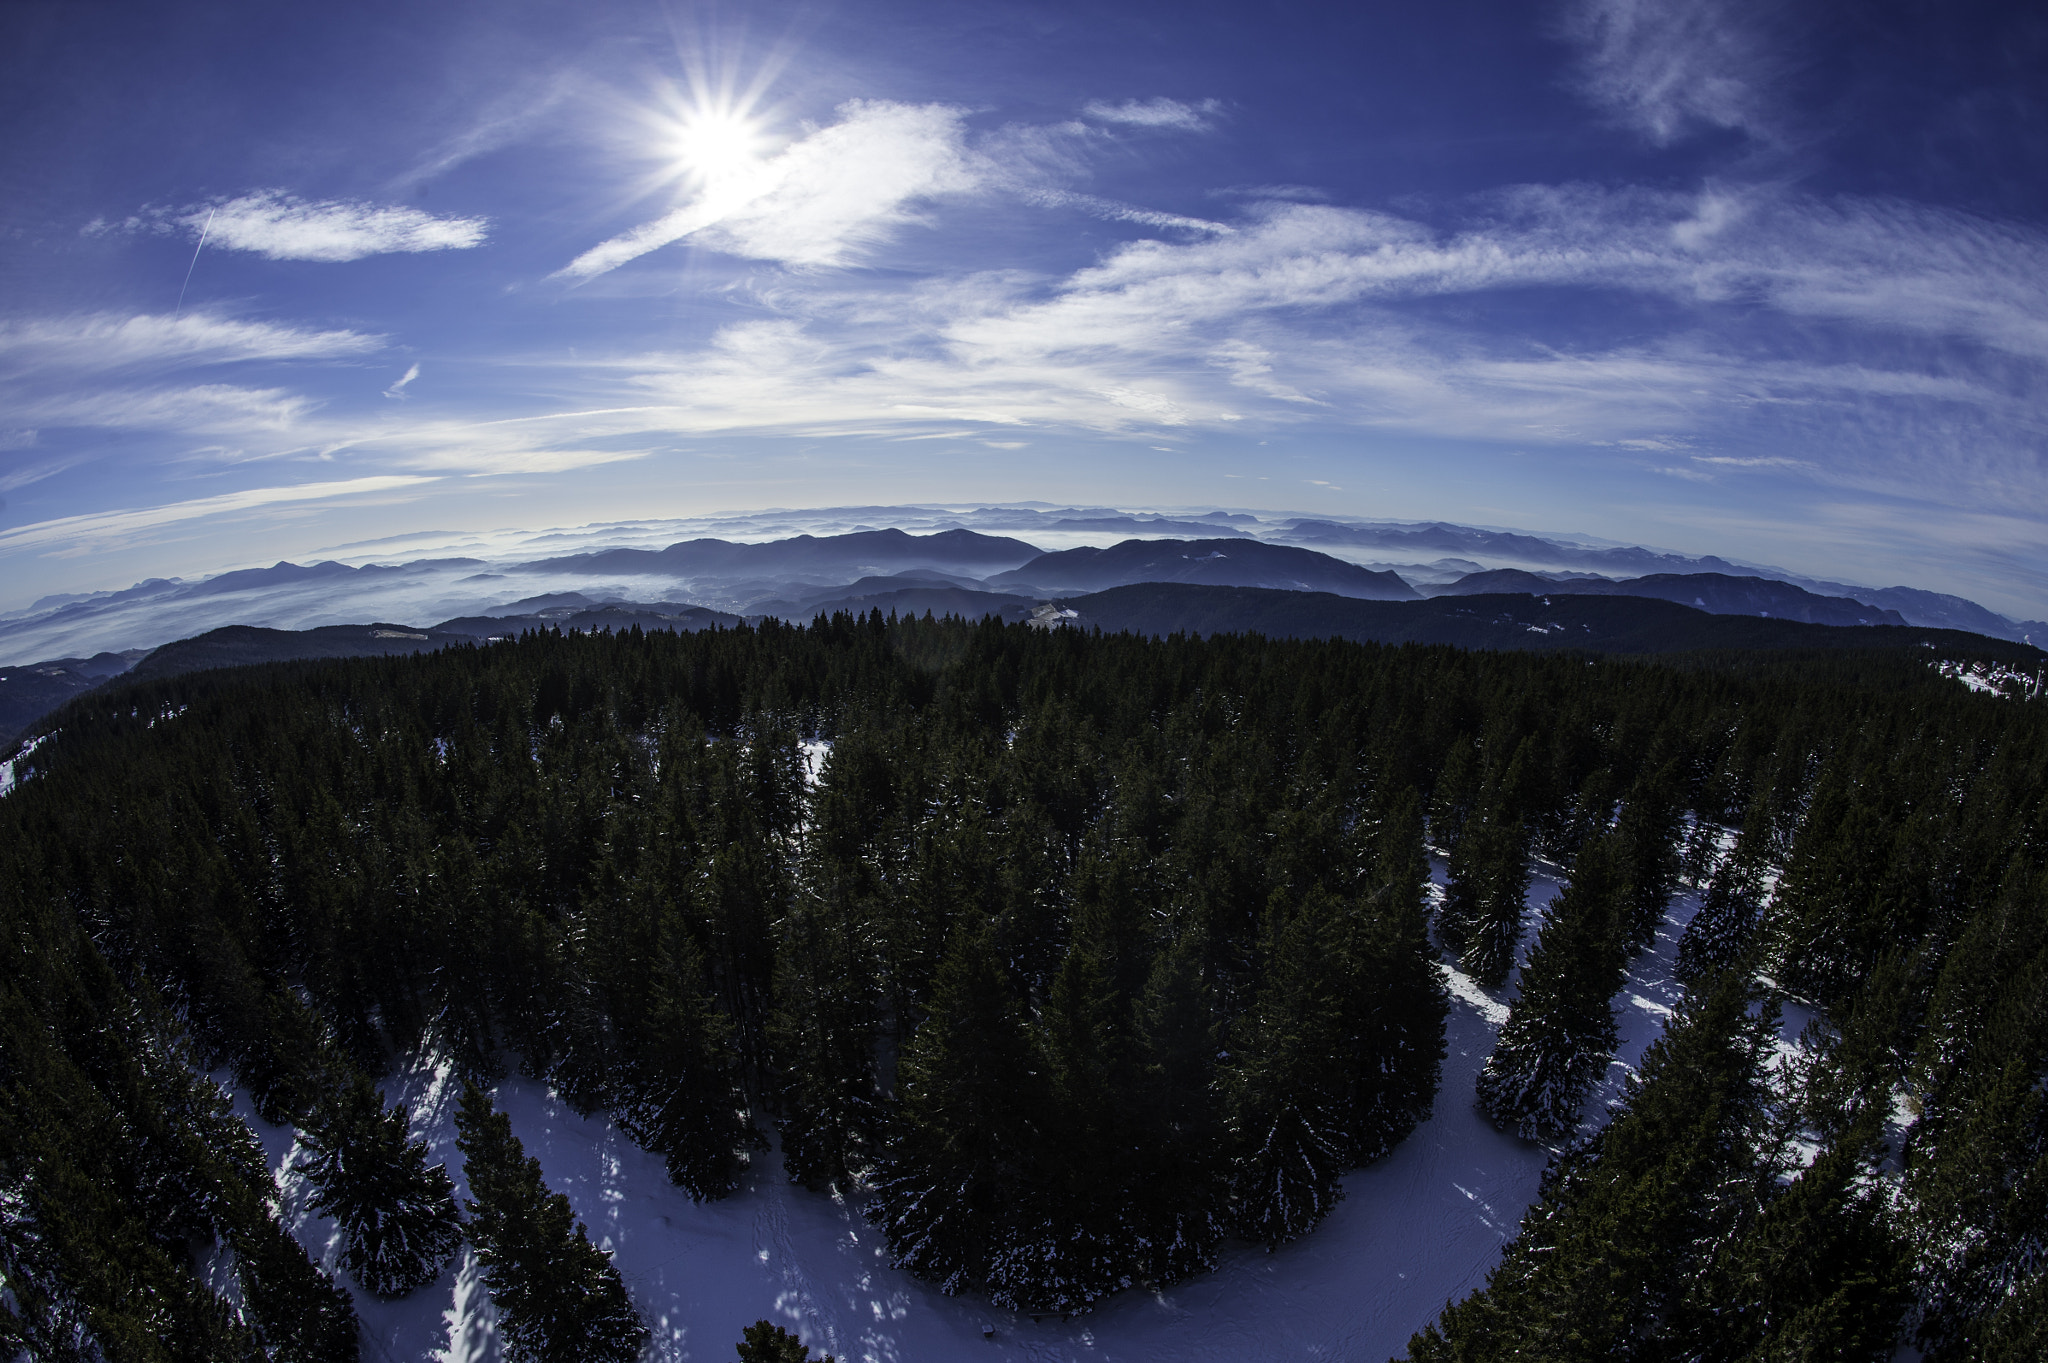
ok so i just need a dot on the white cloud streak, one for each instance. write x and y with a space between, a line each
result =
1113 211
105 342
281 226
108 372
1319 313
72 532
1159 112
397 390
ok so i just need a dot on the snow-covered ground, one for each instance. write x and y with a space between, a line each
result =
14 768
1419 1228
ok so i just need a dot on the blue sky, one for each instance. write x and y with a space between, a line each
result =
1769 281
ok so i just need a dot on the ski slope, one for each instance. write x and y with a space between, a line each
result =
1419 1228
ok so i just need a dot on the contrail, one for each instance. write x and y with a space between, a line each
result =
195 262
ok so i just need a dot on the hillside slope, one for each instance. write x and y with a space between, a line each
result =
1591 623
1715 593
1213 562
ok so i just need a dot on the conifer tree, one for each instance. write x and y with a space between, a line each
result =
1484 902
822 1035
963 1141
300 1313
673 1085
2016 1331
1560 1032
1451 800
1395 1002
1624 1222
1725 925
1819 1274
1077 1229
1979 1201
765 1342
559 1297
1648 834
397 1216
1284 1102
1178 1124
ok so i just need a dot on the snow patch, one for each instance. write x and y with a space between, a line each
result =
815 752
1468 991
12 771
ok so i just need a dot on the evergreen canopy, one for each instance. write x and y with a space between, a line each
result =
1079 952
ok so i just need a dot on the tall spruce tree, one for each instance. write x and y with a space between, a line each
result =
558 1296
1819 1274
962 1153
1454 794
822 1036
1627 1221
300 1313
675 1084
1648 834
1284 1102
1560 1033
1485 901
1395 1003
1725 926
1179 1125
397 1216
1084 1220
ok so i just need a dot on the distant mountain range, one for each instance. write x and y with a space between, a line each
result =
306 610
862 552
1916 607
1715 593
1213 562
1598 624
1437 538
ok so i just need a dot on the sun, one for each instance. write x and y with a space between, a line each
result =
717 145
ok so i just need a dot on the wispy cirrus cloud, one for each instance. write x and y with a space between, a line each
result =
76 533
1114 211
516 114
1315 313
1669 67
1158 112
150 372
397 389
282 226
99 342
188 409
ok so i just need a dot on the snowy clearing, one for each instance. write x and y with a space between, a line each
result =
1419 1228
9 778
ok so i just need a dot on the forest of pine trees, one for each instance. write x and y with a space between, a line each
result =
1076 958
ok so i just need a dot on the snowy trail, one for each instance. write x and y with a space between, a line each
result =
1421 1227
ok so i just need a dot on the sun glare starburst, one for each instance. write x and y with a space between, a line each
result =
714 145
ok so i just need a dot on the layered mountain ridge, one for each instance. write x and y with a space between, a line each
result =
1297 572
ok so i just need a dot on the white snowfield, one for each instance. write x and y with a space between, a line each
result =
11 773
1421 1227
